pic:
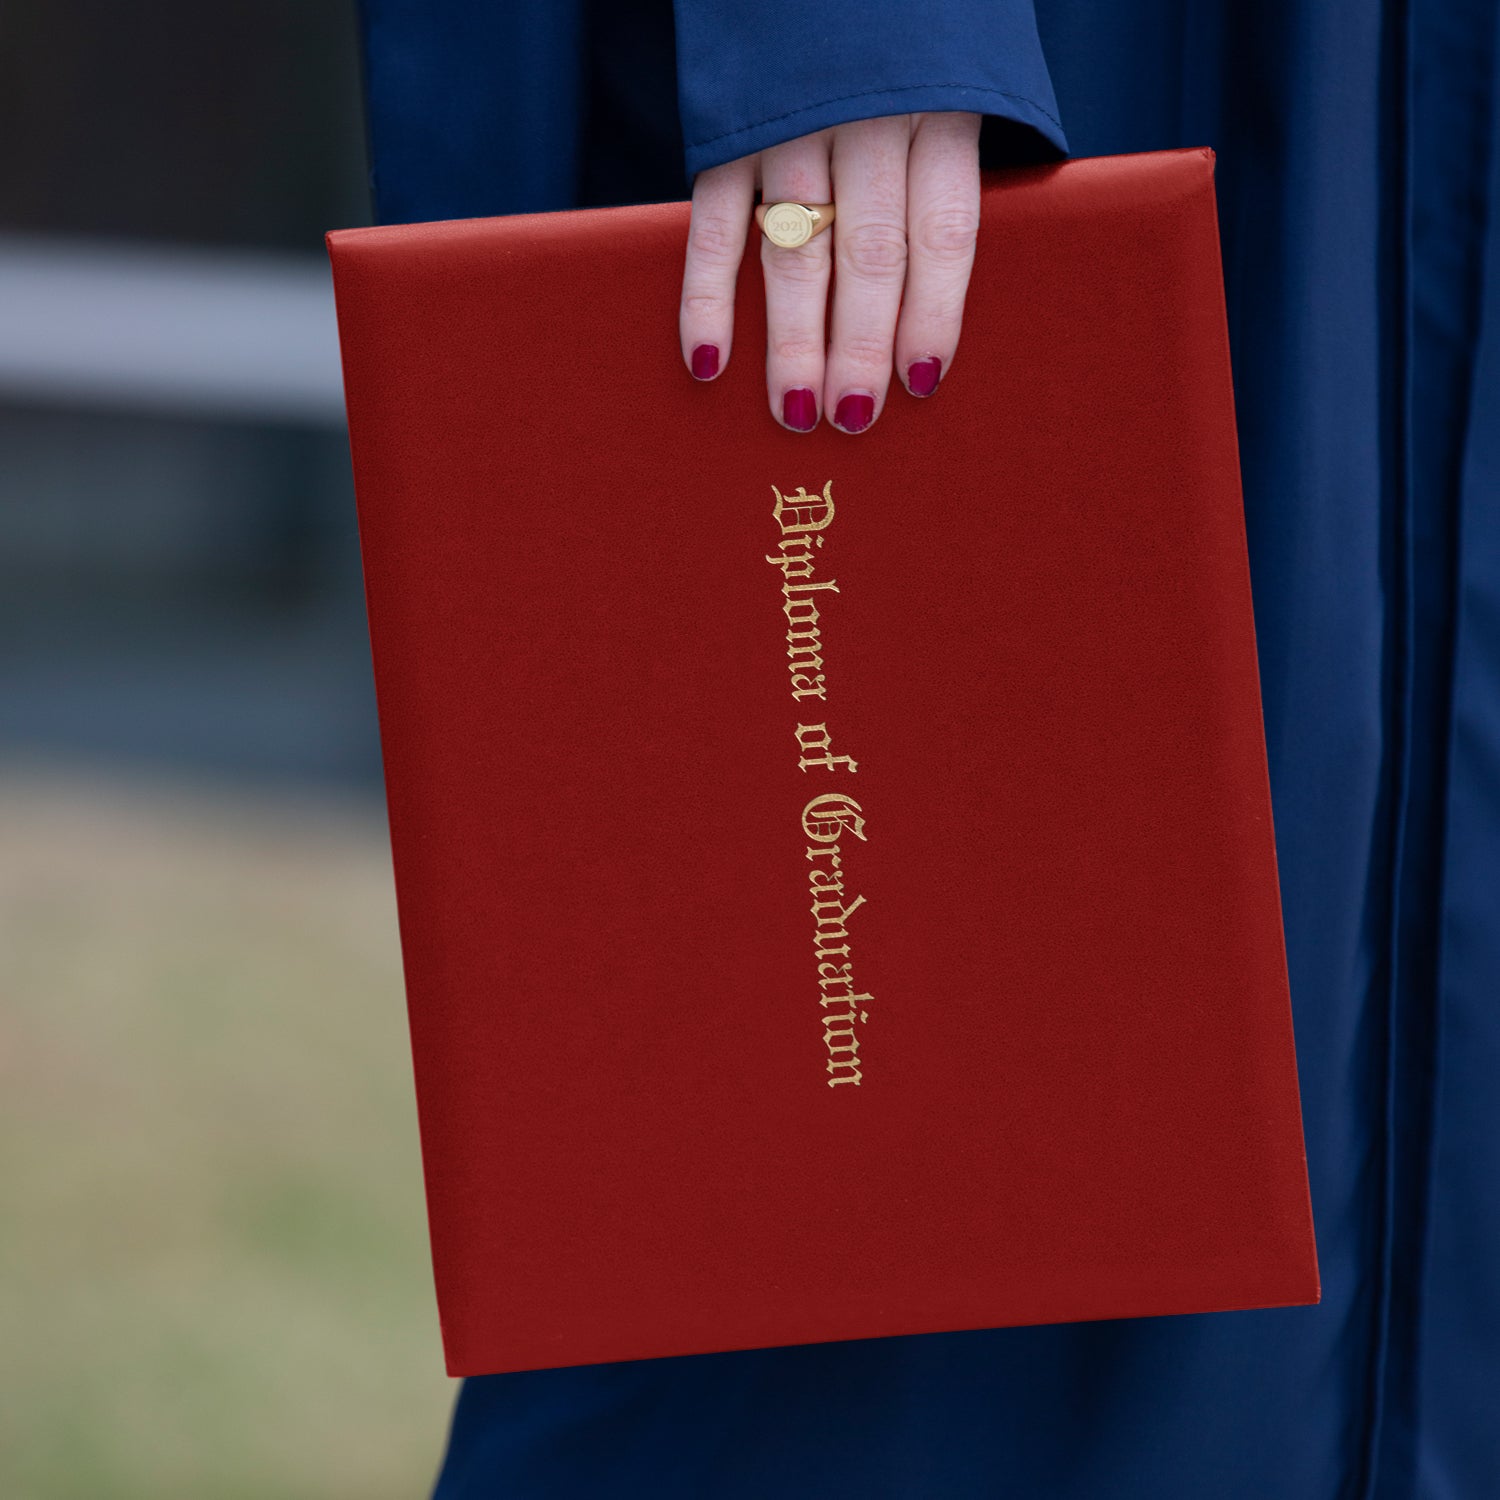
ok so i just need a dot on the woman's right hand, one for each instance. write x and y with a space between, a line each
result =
906 189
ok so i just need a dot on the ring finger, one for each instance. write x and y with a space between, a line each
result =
796 284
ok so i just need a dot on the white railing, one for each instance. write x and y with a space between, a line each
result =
205 333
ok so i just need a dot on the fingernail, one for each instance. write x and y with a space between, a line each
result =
705 361
922 375
799 409
855 411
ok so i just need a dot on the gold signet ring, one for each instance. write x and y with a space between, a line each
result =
792 224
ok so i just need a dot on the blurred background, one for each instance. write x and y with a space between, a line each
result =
213 1261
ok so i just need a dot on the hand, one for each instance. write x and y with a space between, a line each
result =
906 189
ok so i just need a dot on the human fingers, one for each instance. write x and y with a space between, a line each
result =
722 200
942 221
869 180
796 280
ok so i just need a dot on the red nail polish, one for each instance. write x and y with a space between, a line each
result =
922 375
799 409
705 361
854 412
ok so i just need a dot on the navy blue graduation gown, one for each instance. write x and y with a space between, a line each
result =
1359 175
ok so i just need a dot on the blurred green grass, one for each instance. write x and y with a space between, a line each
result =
214 1277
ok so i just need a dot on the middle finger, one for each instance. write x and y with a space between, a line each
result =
869 177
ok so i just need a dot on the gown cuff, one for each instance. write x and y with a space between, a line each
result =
797 69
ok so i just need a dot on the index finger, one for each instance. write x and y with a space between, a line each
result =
942 196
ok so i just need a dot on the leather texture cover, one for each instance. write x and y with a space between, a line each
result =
836 876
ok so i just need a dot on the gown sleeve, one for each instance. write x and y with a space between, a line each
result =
754 73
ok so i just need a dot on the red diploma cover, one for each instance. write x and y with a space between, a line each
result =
836 876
